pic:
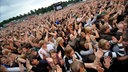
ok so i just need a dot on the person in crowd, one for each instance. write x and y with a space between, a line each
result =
70 56
86 28
44 50
41 65
60 46
118 52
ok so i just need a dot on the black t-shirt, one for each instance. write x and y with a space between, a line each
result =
41 67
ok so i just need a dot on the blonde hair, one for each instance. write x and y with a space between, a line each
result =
87 29
102 43
58 40
41 43
6 51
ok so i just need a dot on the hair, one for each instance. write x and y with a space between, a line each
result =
31 57
103 28
76 65
52 51
41 42
3 69
27 45
87 29
68 50
49 35
102 43
120 24
82 34
5 59
19 49
6 51
35 40
58 40
82 43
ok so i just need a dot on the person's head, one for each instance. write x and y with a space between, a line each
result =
7 46
88 30
78 66
17 43
121 25
60 28
82 34
43 44
33 51
72 37
104 44
86 45
60 40
26 47
52 53
50 37
33 60
3 69
105 28
69 52
5 60
12 56
19 50
36 42
61 34
106 17
125 25
6 51
82 42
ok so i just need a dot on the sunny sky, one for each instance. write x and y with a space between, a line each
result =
11 8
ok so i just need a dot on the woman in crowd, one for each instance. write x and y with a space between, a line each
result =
79 27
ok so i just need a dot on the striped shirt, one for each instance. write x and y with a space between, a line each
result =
118 51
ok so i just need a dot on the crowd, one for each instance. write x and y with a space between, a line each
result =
90 36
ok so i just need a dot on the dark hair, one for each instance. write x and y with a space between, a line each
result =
27 45
31 57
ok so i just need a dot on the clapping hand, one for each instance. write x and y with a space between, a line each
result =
98 53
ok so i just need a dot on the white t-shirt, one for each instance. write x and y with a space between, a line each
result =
49 47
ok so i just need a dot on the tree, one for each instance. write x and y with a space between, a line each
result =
32 12
38 11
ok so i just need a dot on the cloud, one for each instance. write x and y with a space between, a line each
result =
12 8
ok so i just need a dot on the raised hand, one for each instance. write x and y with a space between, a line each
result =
107 62
98 53
114 39
21 66
99 68
50 61
28 65
58 68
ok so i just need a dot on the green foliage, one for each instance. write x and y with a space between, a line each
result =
40 10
